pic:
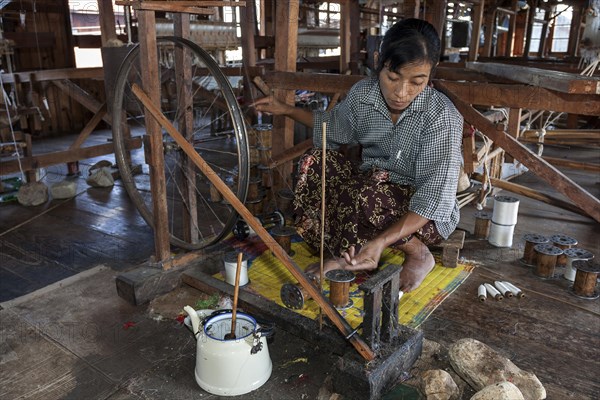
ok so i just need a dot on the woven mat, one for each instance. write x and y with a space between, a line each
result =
267 274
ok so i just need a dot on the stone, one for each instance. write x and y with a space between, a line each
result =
499 391
63 190
438 384
101 177
481 366
32 194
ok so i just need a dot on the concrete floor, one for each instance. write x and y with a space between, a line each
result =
76 339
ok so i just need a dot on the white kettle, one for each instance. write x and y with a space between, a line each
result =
229 367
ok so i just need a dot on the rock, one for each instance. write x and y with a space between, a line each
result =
32 194
481 366
63 190
499 391
437 384
101 177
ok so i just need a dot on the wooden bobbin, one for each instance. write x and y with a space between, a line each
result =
264 155
252 137
295 296
585 279
482 225
532 239
283 236
267 176
562 242
254 188
256 206
264 133
254 173
545 262
254 155
285 197
339 288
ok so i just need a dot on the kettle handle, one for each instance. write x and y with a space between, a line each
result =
215 313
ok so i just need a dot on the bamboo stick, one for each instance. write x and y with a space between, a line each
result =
343 326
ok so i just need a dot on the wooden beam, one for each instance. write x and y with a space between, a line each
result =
563 82
544 170
82 97
89 128
54 74
521 96
106 13
291 153
476 32
581 166
277 250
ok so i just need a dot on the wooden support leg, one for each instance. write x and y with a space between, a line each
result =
451 248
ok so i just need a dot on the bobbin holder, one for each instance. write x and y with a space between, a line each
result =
380 322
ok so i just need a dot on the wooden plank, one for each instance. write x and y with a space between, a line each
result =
563 82
89 128
31 40
158 187
514 127
60 157
582 166
536 164
190 3
277 250
106 13
170 6
521 96
82 97
476 33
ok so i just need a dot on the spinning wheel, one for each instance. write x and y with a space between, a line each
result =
198 100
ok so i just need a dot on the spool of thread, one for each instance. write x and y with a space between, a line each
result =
266 176
563 242
481 293
575 254
295 296
531 239
283 236
501 235
503 289
254 173
483 221
254 155
264 133
339 287
493 292
215 195
515 290
252 137
230 264
254 188
284 200
264 155
545 262
506 210
585 279
256 206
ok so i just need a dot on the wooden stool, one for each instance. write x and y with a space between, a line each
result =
451 248
545 263
339 288
563 242
531 239
585 279
482 225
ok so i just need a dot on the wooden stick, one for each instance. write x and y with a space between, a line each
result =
262 86
236 292
342 325
583 166
533 194
291 153
323 185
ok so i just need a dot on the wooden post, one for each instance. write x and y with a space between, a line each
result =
544 34
107 21
248 27
286 47
512 27
575 31
490 24
345 36
476 30
354 14
436 15
149 58
514 127
529 29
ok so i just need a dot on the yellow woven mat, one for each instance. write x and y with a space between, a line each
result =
267 275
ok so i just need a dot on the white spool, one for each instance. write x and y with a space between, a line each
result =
506 210
230 264
574 254
501 235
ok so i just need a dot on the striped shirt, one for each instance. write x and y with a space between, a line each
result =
422 149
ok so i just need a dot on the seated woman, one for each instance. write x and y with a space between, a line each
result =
404 193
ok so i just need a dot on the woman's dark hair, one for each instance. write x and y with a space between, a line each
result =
409 41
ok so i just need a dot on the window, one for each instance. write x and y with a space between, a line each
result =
562 27
536 31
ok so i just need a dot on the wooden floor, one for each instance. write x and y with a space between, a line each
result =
550 332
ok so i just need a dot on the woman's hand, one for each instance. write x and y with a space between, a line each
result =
367 257
271 105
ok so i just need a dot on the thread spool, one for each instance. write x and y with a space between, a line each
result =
563 242
254 186
483 221
242 230
230 265
585 279
506 210
545 263
531 239
283 236
295 296
256 206
252 137
254 155
215 195
264 155
284 200
339 288
264 134
501 235
266 176
254 173
575 254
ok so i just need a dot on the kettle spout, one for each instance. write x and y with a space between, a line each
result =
195 320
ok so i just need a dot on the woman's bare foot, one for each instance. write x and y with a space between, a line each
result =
418 262
328 265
